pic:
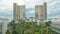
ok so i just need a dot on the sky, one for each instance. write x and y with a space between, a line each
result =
6 7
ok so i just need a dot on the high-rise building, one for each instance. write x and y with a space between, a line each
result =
19 12
15 11
41 12
45 10
22 12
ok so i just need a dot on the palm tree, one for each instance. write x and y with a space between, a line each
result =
13 25
23 27
48 24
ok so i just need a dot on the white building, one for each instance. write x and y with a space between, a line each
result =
3 25
56 24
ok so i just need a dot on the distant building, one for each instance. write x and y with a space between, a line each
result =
45 10
15 11
55 24
41 12
3 25
19 12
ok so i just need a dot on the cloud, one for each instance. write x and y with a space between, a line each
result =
54 8
8 4
32 3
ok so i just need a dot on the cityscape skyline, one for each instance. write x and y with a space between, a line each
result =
29 16
7 10
19 12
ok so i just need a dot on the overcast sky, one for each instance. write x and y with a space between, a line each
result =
6 7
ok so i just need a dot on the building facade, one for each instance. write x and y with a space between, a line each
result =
41 12
3 25
19 12
45 10
15 11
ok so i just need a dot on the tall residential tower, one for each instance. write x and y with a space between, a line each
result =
19 12
41 12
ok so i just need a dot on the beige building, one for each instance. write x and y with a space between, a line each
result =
19 12
41 12
45 10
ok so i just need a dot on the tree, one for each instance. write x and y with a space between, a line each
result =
13 25
23 27
7 32
48 24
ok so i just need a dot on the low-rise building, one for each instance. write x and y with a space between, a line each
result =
3 25
55 24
